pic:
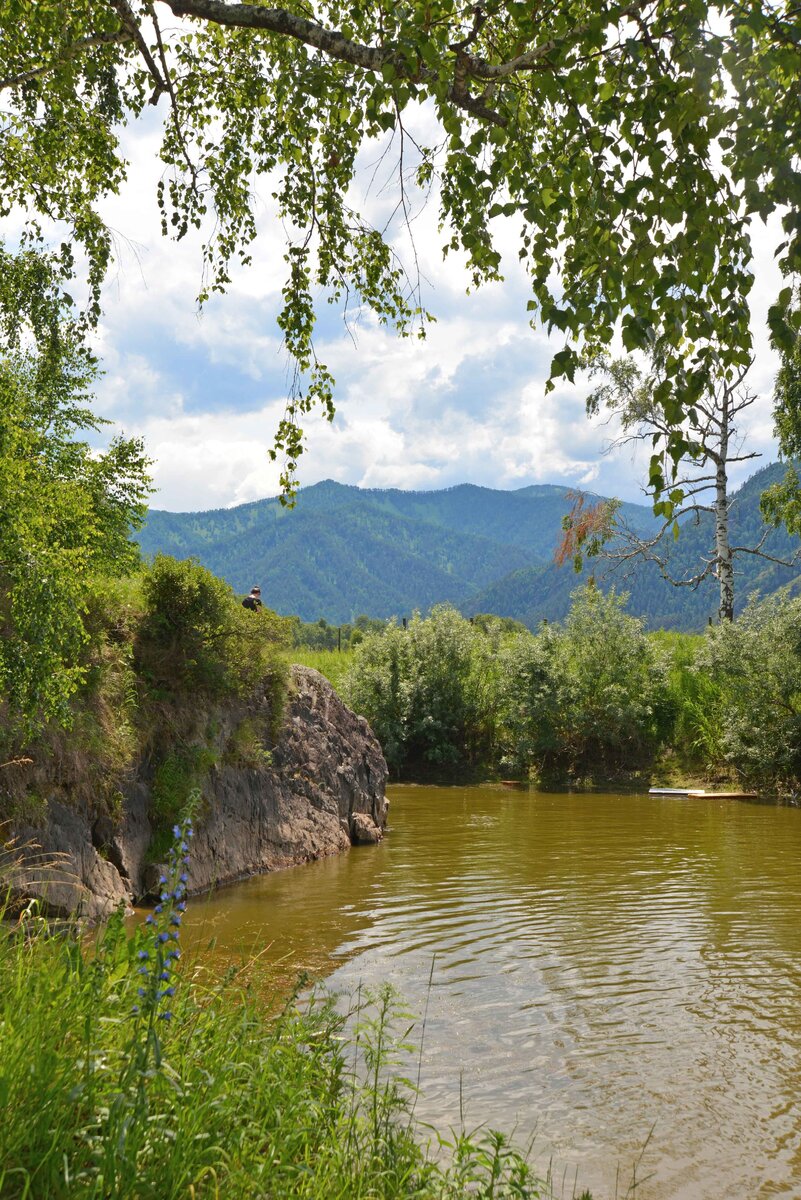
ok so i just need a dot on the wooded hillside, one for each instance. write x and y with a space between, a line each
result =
345 550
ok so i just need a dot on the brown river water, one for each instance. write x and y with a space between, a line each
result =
618 977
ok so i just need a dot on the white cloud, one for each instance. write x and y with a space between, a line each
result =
467 404
210 461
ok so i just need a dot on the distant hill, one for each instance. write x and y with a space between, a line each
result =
542 592
346 550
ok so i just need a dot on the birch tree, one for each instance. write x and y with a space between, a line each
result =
629 142
700 491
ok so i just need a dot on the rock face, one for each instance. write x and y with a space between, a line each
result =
322 792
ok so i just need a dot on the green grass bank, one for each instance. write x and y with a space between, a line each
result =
125 1072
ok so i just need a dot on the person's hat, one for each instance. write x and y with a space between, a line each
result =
255 588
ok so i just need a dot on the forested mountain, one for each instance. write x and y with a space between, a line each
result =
543 591
346 550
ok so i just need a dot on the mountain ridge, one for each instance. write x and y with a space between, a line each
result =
344 550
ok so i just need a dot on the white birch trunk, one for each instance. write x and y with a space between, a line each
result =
723 556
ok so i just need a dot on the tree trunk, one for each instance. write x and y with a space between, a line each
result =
723 557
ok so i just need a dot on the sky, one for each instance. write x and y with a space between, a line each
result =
205 390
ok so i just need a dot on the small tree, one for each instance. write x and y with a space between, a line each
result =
700 482
66 516
586 695
377 686
527 707
610 685
428 691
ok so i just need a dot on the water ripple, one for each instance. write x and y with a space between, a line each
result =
608 971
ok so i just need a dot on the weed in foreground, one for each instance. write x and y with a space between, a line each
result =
123 1075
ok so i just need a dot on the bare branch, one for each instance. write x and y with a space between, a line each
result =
130 23
644 550
758 552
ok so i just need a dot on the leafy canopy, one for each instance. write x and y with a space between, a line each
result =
781 503
630 143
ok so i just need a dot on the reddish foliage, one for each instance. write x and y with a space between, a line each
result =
584 522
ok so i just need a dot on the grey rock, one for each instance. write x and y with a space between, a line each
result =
363 830
61 867
323 791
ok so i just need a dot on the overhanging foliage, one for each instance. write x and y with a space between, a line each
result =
631 144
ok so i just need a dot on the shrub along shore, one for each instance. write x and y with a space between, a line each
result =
593 699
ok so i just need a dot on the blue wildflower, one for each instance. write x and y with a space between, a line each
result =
141 991
176 831
163 937
143 955
150 919
135 1010
166 1016
164 975
144 970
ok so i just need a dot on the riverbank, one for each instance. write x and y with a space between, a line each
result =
123 1076
312 788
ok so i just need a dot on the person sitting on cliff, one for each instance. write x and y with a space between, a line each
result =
253 601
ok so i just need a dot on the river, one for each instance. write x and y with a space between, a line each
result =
618 977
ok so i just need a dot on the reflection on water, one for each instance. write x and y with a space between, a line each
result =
603 967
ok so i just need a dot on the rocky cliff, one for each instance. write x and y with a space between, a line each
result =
320 790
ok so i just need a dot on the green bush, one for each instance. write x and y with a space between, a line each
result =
695 741
527 705
587 697
611 701
378 685
196 637
753 667
428 691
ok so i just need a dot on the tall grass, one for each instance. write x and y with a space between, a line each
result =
331 663
124 1075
